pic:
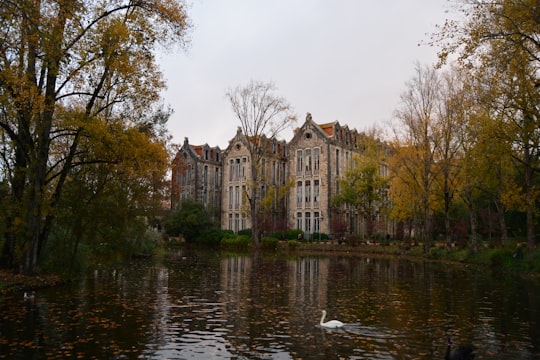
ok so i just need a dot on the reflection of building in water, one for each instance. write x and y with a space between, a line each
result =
308 280
235 272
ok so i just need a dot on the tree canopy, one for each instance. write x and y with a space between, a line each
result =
79 88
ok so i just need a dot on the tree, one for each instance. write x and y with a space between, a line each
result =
501 38
190 220
451 115
363 186
69 70
262 115
413 166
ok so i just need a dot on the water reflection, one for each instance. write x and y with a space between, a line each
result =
198 305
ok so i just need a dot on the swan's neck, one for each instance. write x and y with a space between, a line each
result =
322 317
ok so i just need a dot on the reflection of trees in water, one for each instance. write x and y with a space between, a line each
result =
237 305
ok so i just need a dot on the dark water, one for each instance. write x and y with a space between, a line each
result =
206 305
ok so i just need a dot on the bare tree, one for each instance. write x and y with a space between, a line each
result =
263 115
416 142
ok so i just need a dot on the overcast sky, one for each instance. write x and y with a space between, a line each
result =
345 60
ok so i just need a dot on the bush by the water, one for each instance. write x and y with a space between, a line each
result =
316 236
246 232
192 220
236 241
294 235
269 243
213 237
292 244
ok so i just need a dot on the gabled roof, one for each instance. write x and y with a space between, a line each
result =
262 139
310 125
197 151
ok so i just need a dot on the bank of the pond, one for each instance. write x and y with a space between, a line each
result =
11 282
501 259
505 260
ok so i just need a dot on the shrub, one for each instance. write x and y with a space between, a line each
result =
500 258
292 244
191 220
236 242
293 234
212 237
437 253
246 232
280 235
319 236
269 243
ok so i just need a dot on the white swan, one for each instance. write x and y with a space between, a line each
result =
332 324
28 296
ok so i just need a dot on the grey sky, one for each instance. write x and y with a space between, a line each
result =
345 60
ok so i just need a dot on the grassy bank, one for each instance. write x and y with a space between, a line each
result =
506 259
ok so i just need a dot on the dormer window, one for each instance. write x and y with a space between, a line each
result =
308 135
238 146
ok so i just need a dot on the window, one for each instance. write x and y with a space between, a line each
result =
231 198
231 169
299 221
337 161
243 222
237 169
308 192
205 176
316 192
307 157
237 197
236 222
317 223
299 193
316 156
299 162
244 162
308 223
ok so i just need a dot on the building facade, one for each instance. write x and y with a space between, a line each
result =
238 168
297 180
196 174
318 157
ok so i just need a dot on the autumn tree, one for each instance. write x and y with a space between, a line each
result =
262 115
414 145
70 70
500 38
364 185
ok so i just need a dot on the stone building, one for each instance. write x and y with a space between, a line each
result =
297 181
318 156
237 169
196 174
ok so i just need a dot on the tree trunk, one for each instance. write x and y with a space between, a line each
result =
448 232
502 223
474 237
426 228
530 200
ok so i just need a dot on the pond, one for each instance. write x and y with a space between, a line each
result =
197 304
